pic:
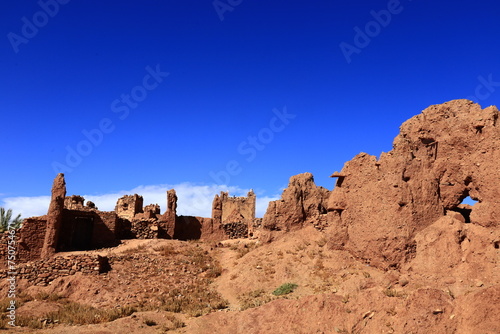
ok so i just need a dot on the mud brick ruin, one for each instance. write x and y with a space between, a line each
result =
72 225
377 210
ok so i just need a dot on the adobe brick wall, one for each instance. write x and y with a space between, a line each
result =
234 215
29 241
104 232
128 206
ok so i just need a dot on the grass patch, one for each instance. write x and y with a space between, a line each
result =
72 313
52 297
138 249
285 289
393 293
254 298
194 301
79 314
175 323
166 250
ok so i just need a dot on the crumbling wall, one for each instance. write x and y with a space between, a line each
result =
28 241
149 211
86 228
188 227
301 203
244 207
198 228
74 202
54 216
170 215
441 156
234 215
128 206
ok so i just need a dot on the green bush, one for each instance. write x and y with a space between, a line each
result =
285 289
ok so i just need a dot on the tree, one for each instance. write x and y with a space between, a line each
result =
6 220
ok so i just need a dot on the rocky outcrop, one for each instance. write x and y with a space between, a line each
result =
301 203
54 216
441 156
451 251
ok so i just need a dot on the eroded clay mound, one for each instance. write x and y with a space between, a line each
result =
441 156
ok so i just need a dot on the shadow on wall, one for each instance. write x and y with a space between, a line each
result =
187 228
86 230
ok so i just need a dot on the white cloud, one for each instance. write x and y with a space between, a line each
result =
193 199
27 206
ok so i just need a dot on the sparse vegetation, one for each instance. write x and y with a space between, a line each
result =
254 298
193 300
137 249
78 314
243 249
285 289
72 313
53 297
175 323
166 250
393 293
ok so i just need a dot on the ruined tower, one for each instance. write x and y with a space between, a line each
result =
235 214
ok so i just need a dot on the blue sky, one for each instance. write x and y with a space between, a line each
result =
206 95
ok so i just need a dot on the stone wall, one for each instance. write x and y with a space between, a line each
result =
235 230
44 271
145 229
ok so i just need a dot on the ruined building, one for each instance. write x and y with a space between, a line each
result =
377 211
72 225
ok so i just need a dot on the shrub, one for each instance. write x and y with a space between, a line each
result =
393 293
285 289
176 323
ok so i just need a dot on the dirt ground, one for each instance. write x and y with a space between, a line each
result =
228 288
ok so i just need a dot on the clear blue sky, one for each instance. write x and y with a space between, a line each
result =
73 72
